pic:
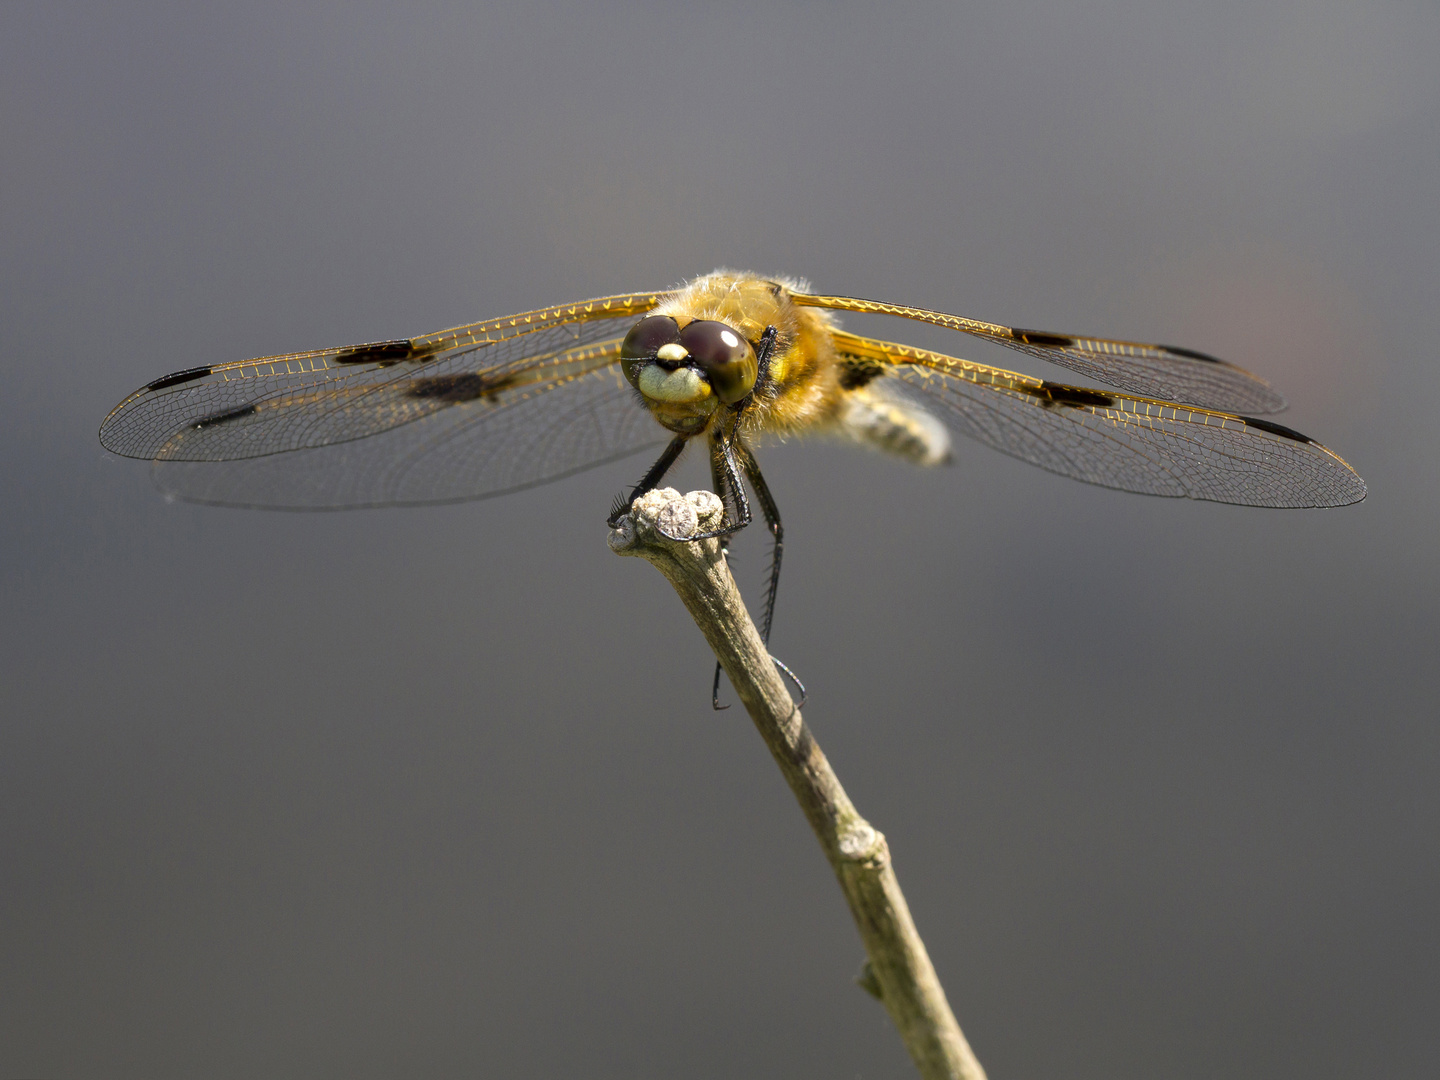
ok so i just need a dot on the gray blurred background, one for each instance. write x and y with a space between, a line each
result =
439 791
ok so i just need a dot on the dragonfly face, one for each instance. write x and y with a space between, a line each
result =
726 360
685 369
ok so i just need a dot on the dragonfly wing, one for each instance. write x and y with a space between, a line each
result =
1114 440
467 448
323 396
1157 371
478 410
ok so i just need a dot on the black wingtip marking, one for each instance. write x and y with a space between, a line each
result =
1276 429
466 386
1041 340
1052 394
224 417
1191 354
383 352
188 375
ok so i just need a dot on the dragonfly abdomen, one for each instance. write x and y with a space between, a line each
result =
895 427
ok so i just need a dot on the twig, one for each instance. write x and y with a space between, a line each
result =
898 971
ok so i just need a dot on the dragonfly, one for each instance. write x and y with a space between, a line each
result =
724 361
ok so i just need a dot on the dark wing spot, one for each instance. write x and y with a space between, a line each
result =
1276 429
1191 354
188 375
224 417
452 389
857 373
1041 340
1052 394
383 352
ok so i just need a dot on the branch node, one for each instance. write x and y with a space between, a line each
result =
867 981
860 842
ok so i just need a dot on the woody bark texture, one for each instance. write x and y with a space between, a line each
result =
898 970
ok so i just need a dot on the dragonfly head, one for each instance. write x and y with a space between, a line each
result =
688 367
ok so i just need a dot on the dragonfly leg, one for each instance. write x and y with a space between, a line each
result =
728 486
649 482
721 483
720 480
771 513
724 466
762 358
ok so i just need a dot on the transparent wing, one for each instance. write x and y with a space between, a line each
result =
1157 371
1114 440
479 410
460 444
324 396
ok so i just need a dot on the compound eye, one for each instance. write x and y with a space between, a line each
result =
646 336
644 340
724 356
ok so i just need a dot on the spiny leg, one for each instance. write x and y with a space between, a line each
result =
762 360
777 532
729 487
771 512
726 478
650 481
722 463
721 483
